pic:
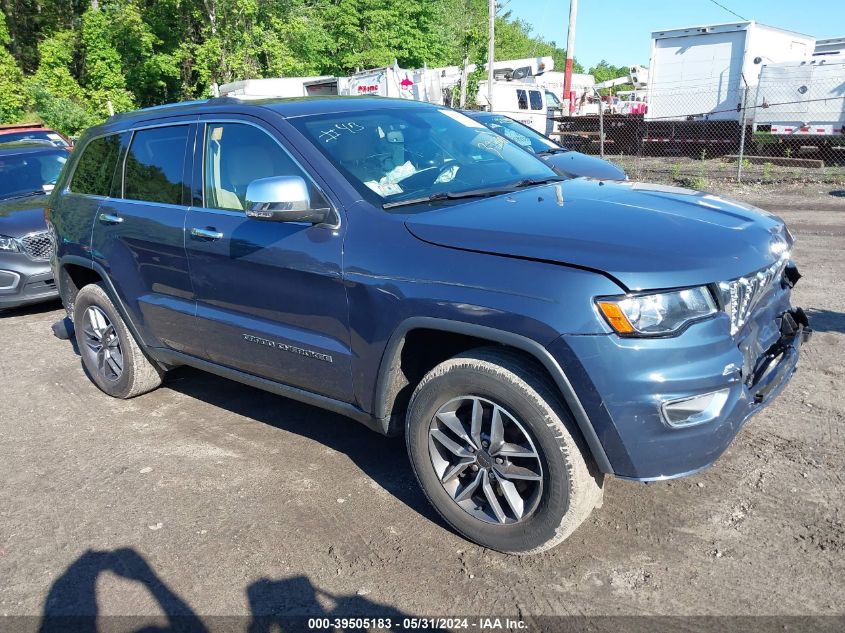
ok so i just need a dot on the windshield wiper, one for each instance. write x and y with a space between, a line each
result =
552 150
449 195
486 192
530 182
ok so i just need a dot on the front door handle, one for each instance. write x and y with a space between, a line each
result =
110 218
206 234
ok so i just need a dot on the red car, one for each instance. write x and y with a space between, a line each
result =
32 132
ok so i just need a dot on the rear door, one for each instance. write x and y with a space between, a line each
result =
270 295
138 234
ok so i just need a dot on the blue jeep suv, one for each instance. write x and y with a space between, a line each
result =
399 263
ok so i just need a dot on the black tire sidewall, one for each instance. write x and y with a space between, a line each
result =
542 525
86 298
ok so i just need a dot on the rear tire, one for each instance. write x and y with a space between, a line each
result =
111 356
555 491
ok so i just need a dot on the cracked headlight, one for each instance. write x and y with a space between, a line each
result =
656 314
8 245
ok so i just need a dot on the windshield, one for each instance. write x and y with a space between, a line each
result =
520 134
34 135
552 101
398 154
22 174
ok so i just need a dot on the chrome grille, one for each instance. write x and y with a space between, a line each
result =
37 245
741 296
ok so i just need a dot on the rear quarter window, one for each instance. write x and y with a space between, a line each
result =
536 99
95 169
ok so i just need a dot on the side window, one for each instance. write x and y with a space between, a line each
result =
95 169
235 155
522 99
552 100
536 99
155 165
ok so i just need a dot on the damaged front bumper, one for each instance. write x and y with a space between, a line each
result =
669 407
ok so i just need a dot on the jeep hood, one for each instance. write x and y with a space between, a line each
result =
19 216
644 236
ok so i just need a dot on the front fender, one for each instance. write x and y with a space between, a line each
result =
390 367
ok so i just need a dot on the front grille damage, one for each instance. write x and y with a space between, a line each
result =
740 296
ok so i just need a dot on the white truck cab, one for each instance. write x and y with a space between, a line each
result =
523 101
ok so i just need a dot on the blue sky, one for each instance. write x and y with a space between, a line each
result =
620 30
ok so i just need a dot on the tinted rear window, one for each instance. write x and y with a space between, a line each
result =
155 165
536 100
95 169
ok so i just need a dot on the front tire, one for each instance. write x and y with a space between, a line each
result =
111 356
497 453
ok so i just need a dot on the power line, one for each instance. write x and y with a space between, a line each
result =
728 10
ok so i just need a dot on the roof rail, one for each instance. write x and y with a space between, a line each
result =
180 104
165 106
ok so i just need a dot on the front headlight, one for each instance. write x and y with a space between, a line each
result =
8 245
658 313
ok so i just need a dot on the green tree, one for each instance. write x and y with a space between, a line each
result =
80 55
150 65
58 97
13 100
603 71
103 77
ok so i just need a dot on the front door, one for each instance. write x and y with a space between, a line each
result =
270 295
138 234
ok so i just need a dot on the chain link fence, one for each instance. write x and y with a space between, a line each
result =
790 127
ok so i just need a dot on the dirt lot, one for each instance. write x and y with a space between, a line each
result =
207 497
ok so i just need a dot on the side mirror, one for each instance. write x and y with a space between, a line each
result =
282 199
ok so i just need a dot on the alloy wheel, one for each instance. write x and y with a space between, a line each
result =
485 460
103 344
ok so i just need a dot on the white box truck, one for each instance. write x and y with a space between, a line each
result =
702 71
802 103
274 87
418 84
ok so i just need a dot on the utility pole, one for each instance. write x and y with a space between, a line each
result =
463 100
570 55
491 45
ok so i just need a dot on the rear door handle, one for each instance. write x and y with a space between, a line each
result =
110 218
206 234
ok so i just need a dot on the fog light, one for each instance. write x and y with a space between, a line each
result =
8 279
695 410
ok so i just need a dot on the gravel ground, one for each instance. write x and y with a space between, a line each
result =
208 497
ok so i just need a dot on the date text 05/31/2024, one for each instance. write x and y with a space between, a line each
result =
379 624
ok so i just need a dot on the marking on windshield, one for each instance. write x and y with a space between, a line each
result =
329 135
333 134
494 144
352 127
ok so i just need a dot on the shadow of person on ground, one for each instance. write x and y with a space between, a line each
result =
383 459
289 604
826 320
71 604
275 605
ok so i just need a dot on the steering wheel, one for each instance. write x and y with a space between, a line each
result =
426 178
